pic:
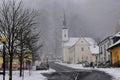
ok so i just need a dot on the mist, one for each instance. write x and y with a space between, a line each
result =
88 18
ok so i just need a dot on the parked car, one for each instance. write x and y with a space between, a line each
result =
84 63
104 65
43 66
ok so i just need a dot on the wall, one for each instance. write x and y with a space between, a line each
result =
65 54
116 56
104 54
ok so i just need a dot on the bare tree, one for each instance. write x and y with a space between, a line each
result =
28 42
15 23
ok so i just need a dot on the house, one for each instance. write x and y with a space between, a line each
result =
115 50
104 55
115 53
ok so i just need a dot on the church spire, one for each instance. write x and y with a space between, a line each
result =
64 30
64 21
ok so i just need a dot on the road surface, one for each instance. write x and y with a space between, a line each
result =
65 73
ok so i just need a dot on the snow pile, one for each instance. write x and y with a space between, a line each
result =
28 75
115 72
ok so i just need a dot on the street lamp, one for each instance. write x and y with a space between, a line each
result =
3 39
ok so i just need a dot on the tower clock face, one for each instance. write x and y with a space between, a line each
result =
65 35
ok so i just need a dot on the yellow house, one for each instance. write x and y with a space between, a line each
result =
115 54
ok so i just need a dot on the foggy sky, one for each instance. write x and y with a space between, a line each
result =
91 18
96 18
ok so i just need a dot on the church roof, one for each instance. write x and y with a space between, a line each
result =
72 41
93 45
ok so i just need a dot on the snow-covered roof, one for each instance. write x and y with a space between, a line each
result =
91 41
71 42
94 49
93 45
118 42
117 35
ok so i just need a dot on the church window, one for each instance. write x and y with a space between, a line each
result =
82 49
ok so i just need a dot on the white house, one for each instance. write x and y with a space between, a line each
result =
105 55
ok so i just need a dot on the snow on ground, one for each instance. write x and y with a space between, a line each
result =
114 72
28 75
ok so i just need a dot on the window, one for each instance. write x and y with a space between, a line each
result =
82 49
108 44
86 58
101 50
105 52
94 46
64 35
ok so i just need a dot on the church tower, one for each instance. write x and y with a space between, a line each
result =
64 30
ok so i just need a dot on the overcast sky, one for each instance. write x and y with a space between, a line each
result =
85 17
90 18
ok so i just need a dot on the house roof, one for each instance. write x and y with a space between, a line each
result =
72 41
105 40
115 44
93 45
117 35
91 41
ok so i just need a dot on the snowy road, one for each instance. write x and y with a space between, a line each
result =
65 73
60 68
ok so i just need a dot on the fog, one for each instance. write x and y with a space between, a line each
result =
88 18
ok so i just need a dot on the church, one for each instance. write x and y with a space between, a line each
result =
78 49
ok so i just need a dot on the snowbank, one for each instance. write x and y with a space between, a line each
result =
115 72
28 75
